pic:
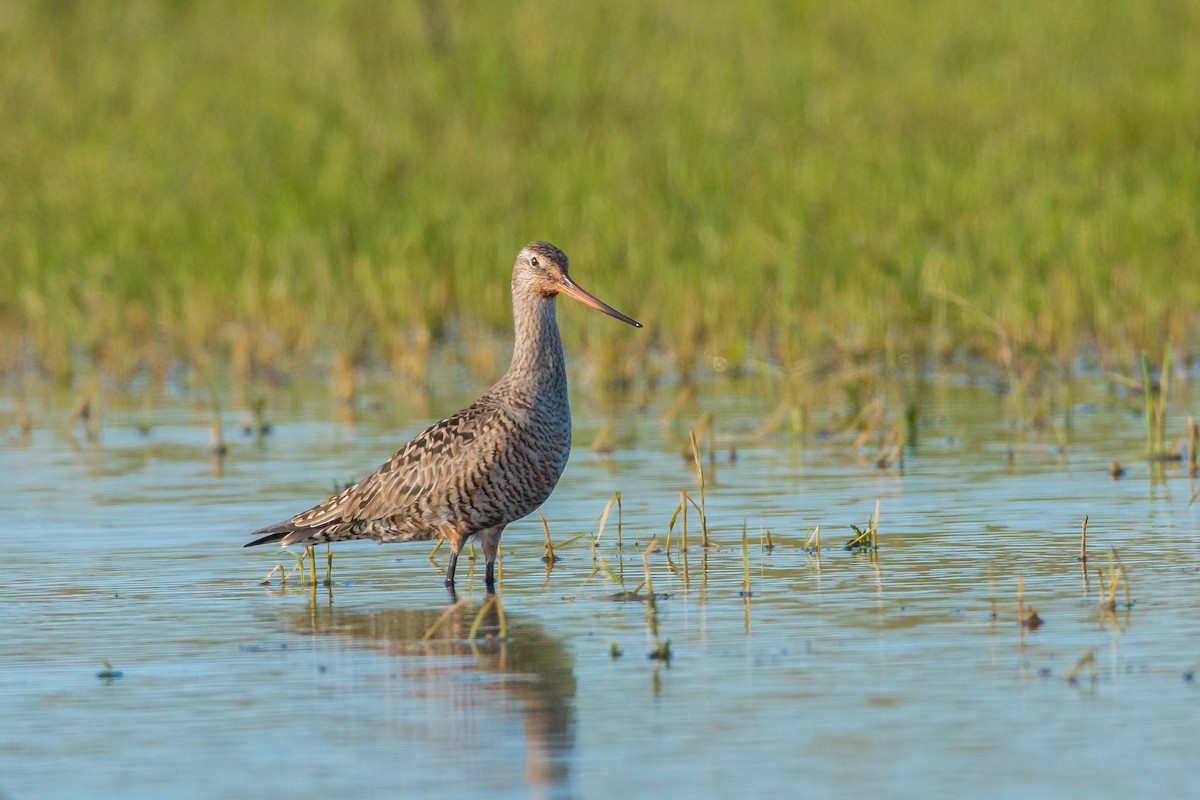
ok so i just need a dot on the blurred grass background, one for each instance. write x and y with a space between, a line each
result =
274 184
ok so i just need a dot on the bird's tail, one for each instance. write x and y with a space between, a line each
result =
273 536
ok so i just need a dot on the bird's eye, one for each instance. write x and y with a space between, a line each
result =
533 261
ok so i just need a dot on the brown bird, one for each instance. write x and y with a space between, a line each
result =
484 467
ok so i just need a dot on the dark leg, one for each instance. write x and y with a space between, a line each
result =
490 540
450 569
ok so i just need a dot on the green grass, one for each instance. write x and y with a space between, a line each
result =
272 182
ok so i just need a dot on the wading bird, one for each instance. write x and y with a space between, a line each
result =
484 467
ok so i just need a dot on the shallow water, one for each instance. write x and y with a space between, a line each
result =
841 676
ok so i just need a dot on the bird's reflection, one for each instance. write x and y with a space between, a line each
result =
535 668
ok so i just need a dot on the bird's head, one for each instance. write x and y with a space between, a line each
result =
541 268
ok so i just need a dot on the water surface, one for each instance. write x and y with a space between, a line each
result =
841 676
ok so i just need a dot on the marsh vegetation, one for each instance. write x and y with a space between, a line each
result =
261 188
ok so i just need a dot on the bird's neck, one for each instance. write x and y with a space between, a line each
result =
537 353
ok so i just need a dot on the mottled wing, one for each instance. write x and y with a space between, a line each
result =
433 463
425 468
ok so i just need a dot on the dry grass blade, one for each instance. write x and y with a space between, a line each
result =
549 558
745 593
892 450
683 504
1086 662
704 542
565 543
1164 384
1116 575
992 591
646 566
619 520
812 544
1156 409
604 516
682 399
267 580
603 567
299 566
871 418
1083 542
682 507
1148 397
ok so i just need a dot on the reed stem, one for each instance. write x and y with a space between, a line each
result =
700 477
1083 542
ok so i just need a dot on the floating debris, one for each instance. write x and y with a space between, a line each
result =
1032 621
1027 617
662 652
635 597
109 674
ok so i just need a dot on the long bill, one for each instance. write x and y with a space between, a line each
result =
573 290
